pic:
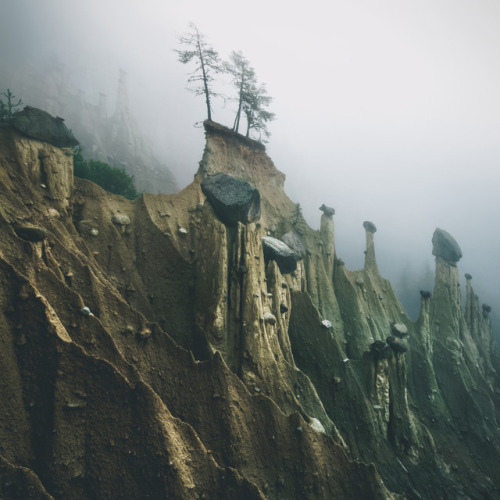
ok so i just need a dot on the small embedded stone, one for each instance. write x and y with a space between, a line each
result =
326 324
399 329
31 233
283 308
317 425
144 334
85 311
396 344
120 220
128 330
270 318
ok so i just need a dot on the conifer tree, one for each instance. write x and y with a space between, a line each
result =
207 62
9 107
243 79
254 107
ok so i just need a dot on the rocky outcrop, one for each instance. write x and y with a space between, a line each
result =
233 200
40 125
146 344
281 253
445 246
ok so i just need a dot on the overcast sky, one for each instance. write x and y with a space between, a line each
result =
386 110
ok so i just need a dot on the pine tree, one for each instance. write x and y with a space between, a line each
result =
243 80
207 62
257 116
8 108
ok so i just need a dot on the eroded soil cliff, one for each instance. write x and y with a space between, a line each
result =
202 371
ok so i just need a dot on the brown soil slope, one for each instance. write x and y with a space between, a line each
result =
108 405
202 370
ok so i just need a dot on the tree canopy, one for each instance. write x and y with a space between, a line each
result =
8 104
251 96
207 62
112 179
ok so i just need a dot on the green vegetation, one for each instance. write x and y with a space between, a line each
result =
207 62
8 106
299 224
112 179
251 97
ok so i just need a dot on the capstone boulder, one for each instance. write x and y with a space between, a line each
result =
328 211
370 226
445 246
294 241
40 125
284 256
232 199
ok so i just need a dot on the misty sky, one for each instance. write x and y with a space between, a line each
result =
386 110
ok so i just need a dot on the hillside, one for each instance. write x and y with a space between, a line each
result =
204 367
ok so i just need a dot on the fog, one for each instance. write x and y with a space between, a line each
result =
388 111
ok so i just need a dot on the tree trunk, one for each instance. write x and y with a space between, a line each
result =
205 83
238 114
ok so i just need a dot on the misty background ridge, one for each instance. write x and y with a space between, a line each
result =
390 115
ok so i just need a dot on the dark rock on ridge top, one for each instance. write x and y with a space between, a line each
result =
445 246
42 126
233 199
276 250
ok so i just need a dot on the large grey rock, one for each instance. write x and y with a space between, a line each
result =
284 256
294 241
232 199
40 125
328 211
369 226
445 246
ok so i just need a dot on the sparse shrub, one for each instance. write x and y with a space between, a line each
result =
8 106
112 179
